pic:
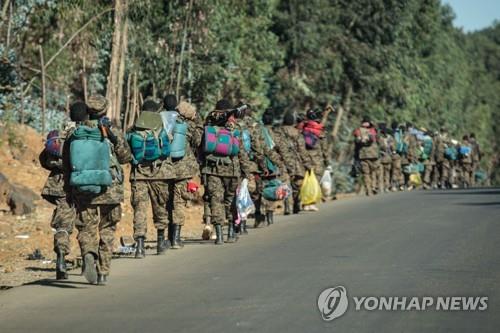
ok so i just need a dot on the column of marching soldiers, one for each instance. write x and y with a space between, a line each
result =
170 145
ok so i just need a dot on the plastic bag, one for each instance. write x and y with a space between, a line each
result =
310 191
415 179
169 118
244 203
326 182
276 190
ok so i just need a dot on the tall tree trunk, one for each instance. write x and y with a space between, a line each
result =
44 103
114 66
183 46
344 108
121 71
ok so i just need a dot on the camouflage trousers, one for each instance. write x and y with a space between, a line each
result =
444 172
429 172
168 200
296 182
386 175
397 177
221 193
63 221
467 173
371 173
97 225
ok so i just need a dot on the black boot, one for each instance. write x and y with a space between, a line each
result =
243 227
176 237
218 232
287 206
139 248
259 218
61 273
231 236
296 206
269 218
162 244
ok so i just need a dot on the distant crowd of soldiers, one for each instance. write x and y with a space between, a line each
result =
404 157
168 148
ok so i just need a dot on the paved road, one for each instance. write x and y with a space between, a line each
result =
403 244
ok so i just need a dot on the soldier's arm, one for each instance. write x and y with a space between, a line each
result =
50 162
258 149
245 164
122 150
195 134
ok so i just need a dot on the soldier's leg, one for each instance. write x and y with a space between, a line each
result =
110 216
230 186
140 202
366 170
427 174
159 193
87 223
215 189
63 221
296 185
387 175
180 199
257 200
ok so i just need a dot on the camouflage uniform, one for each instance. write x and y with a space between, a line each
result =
319 156
366 139
222 178
164 183
291 146
430 170
476 158
98 214
466 170
387 146
63 217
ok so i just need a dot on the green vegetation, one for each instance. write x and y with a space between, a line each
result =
393 59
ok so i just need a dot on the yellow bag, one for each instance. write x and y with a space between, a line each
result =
310 191
415 179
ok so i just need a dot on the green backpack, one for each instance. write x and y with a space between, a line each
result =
90 159
268 139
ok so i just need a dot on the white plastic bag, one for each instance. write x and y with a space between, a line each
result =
326 182
244 203
169 118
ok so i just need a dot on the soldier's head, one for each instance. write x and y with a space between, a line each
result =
151 106
313 114
78 112
472 136
366 121
268 116
97 106
394 125
409 125
222 111
465 138
382 127
443 130
289 119
170 102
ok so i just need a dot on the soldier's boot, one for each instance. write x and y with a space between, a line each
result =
296 206
219 240
287 206
61 270
259 218
102 279
176 237
269 218
162 244
231 236
89 267
140 253
243 227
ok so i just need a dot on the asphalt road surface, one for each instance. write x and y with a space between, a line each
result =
437 243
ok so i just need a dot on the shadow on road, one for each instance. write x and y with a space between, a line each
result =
492 191
65 284
478 204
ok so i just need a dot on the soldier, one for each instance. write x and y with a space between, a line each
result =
412 153
397 179
465 162
366 139
387 147
442 162
63 218
476 156
223 163
291 146
316 145
273 161
253 145
427 158
95 179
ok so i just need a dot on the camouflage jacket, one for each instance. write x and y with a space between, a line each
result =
273 154
291 146
186 167
366 141
476 150
387 147
256 153
413 147
54 186
114 194
440 144
318 156
227 166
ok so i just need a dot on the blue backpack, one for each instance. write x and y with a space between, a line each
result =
401 145
268 140
148 145
90 159
451 153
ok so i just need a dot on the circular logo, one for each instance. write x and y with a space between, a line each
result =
332 303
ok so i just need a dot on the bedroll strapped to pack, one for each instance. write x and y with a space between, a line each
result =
311 132
401 145
221 141
90 157
53 145
465 150
414 168
178 145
